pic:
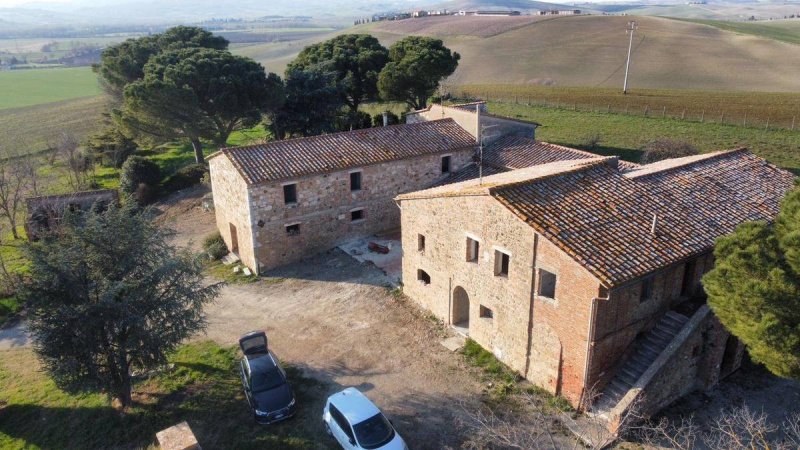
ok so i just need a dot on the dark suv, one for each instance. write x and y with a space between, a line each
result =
268 392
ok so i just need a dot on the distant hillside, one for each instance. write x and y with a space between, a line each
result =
716 10
518 5
590 51
786 30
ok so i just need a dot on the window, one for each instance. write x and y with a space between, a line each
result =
293 230
547 284
446 164
473 250
421 242
486 313
355 181
356 215
290 194
340 420
501 262
647 290
423 277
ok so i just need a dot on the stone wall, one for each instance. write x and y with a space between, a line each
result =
544 339
325 203
232 207
493 127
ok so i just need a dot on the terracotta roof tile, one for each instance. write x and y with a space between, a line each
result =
603 218
293 158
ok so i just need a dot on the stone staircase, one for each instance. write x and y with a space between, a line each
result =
646 350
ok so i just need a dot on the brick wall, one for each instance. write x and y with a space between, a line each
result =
622 316
560 326
325 202
232 207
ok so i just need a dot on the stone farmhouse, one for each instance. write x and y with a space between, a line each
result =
279 202
583 274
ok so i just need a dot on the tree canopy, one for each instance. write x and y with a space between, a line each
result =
417 65
124 63
355 59
199 93
313 103
754 288
107 293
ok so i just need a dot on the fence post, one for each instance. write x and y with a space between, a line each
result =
664 112
626 108
722 117
703 116
683 114
744 122
766 127
792 123
646 108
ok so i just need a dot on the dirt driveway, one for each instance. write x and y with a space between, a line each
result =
334 318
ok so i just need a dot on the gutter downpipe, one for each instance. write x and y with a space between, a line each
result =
589 352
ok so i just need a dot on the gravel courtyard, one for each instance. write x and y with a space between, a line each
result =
334 318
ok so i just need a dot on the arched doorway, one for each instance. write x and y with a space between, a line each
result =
729 360
460 314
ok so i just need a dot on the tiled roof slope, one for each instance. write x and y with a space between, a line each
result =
293 158
517 152
603 218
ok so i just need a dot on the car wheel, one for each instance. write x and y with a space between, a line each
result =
328 429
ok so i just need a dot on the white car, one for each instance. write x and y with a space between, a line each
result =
356 423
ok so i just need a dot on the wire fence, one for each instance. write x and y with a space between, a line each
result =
714 115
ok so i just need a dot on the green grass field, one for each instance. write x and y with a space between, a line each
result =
19 88
201 386
624 135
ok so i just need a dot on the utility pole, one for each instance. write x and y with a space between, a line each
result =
631 28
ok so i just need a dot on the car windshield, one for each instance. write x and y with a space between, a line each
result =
264 381
374 432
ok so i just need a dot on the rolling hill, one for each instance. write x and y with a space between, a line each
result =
590 51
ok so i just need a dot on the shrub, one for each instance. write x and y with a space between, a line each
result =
592 141
215 246
661 149
377 119
137 171
186 177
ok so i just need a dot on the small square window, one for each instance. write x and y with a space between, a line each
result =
647 290
486 313
423 277
547 284
290 194
421 242
445 164
473 250
501 263
293 230
355 181
356 215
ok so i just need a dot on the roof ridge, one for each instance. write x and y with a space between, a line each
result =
578 167
680 163
337 133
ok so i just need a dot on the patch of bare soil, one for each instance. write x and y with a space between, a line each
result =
333 318
183 212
